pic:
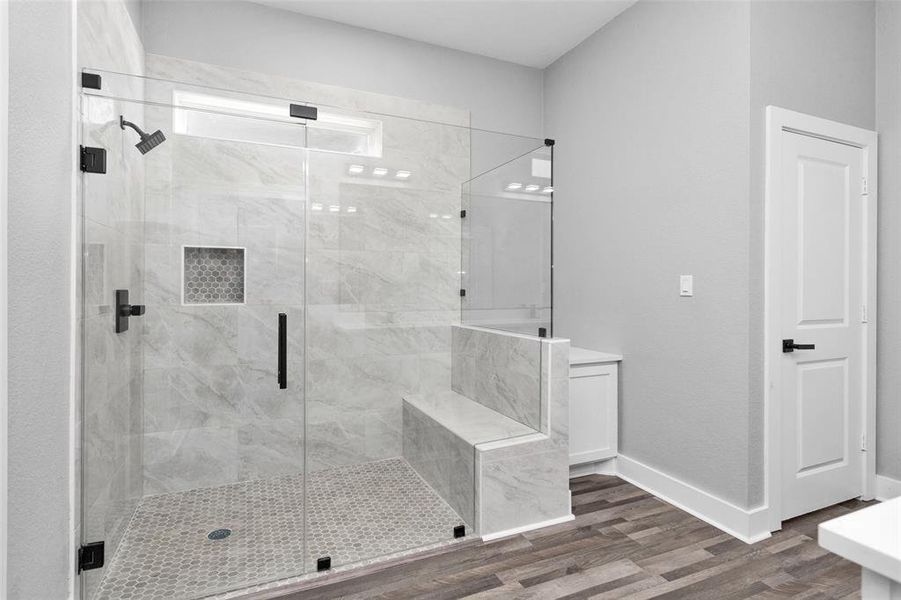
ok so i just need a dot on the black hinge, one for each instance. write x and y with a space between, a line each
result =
324 563
90 556
548 142
542 332
462 293
463 214
459 531
93 160
90 80
304 112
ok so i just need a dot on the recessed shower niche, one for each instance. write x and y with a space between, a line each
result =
213 275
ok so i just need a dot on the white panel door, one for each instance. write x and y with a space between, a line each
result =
821 305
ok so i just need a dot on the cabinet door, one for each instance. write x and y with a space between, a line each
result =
592 413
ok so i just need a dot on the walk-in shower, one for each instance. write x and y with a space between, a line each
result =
266 417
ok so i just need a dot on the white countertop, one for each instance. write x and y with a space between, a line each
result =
870 537
582 356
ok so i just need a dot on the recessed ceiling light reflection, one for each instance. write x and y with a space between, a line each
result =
316 206
512 187
379 171
445 216
547 190
334 208
403 174
433 216
532 187
355 169
351 209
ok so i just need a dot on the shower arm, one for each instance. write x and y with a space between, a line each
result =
123 124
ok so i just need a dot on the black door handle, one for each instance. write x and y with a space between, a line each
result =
791 346
282 351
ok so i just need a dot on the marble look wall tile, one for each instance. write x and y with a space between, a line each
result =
270 448
524 489
445 461
176 69
189 458
502 372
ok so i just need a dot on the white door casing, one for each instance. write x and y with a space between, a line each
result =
820 290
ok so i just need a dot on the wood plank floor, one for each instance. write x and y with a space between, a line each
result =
624 543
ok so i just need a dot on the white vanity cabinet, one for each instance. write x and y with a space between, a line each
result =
593 405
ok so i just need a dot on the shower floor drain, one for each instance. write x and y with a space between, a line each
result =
219 534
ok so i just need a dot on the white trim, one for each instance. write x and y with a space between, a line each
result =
602 467
887 488
749 526
777 121
508 532
4 166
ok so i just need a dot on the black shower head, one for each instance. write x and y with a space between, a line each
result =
148 141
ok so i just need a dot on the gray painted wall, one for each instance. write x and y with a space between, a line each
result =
888 123
816 58
651 120
502 96
653 160
42 157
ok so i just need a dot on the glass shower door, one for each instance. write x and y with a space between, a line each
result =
193 416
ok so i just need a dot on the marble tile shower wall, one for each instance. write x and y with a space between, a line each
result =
381 289
502 372
213 413
111 208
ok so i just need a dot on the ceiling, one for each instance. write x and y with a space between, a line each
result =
534 33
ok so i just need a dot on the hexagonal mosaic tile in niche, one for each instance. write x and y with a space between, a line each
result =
213 275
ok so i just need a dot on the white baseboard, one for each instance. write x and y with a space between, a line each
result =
603 467
508 532
749 526
887 488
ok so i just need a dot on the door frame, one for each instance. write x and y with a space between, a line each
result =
779 120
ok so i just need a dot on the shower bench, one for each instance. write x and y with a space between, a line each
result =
500 475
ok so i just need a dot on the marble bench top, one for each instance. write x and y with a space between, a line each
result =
467 419
870 537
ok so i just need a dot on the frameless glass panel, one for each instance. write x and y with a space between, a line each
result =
507 245
192 442
382 296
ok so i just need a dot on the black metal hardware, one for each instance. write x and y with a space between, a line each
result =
90 80
542 332
304 112
548 142
93 160
791 346
459 531
462 293
324 563
282 351
463 214
124 310
90 556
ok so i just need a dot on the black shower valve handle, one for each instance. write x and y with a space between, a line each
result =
124 310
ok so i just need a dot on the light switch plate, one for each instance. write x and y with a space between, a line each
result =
686 285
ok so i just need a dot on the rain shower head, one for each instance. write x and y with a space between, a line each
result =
148 141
